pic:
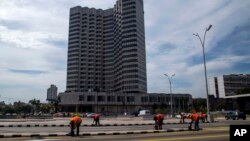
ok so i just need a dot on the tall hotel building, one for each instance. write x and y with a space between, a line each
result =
107 63
106 49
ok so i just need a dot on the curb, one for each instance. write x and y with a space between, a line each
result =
16 135
67 125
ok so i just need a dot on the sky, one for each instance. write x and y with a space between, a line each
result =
34 37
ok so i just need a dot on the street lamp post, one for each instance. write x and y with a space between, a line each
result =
170 85
205 68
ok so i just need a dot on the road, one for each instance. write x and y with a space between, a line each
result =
92 129
110 128
208 134
218 131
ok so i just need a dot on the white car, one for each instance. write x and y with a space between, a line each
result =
89 115
178 116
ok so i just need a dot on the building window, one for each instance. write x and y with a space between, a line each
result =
81 97
111 98
90 98
144 99
130 99
121 99
101 98
152 99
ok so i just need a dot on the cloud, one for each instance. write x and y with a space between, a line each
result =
30 72
227 43
33 43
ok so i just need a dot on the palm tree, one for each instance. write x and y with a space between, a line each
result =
36 104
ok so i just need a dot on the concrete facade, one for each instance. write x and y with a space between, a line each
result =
120 103
106 49
229 85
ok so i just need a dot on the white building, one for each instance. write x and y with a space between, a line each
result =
52 93
229 85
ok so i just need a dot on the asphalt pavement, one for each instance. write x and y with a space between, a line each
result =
208 134
84 129
123 132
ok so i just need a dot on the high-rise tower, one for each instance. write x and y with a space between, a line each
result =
106 49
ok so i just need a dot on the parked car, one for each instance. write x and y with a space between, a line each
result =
178 116
235 115
144 112
88 115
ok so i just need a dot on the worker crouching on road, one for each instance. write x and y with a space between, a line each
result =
158 118
96 118
75 122
204 117
194 119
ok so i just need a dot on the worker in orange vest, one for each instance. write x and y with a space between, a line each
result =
204 116
158 118
161 118
72 126
96 118
200 116
194 119
75 122
78 122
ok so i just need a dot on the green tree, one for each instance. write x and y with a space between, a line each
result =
161 110
46 108
8 109
21 107
200 105
36 104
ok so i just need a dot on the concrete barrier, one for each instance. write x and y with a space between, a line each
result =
17 135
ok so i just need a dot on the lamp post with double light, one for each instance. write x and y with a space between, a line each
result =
205 68
171 97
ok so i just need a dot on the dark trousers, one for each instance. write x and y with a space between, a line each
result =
182 120
203 119
190 125
156 125
77 129
160 124
72 127
97 122
196 125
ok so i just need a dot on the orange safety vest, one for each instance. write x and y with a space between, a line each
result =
159 117
72 120
194 116
96 116
204 115
76 120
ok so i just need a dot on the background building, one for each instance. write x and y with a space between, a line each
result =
120 103
52 93
231 92
106 49
229 85
106 69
